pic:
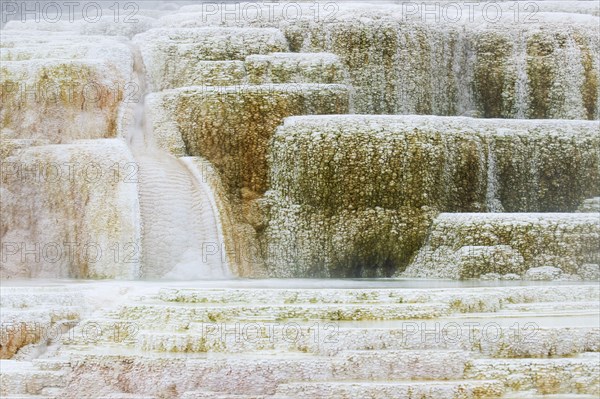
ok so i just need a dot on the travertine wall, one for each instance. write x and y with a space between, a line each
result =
495 70
349 196
68 210
295 68
69 213
61 88
530 66
232 126
171 55
473 244
355 195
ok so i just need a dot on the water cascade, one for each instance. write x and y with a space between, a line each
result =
181 237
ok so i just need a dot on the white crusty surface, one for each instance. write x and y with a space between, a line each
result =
71 208
535 245
170 55
489 340
361 191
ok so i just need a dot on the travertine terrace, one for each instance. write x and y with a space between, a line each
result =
300 200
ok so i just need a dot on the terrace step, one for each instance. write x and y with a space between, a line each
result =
466 297
580 374
337 312
555 307
161 331
53 364
20 377
24 396
219 395
295 68
40 314
329 339
172 55
347 365
533 395
409 389
36 290
23 300
126 396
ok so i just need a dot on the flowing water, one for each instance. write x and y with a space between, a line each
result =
180 225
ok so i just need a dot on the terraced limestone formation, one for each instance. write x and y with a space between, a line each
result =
117 199
212 142
68 211
235 100
511 62
173 53
471 245
349 340
356 195
60 89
